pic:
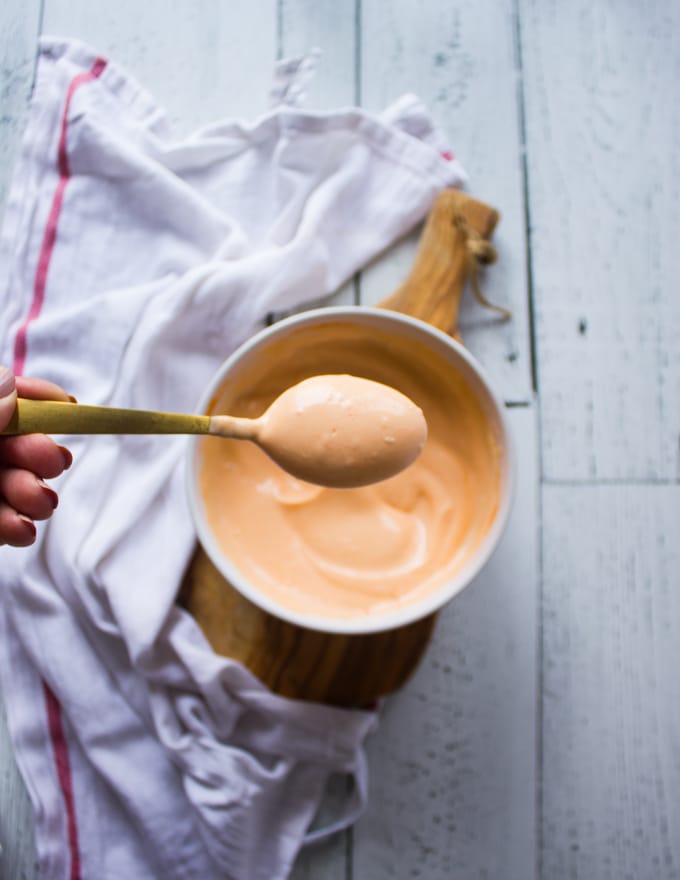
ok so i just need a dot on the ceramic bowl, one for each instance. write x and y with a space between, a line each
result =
282 344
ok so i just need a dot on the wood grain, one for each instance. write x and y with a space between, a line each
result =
19 26
203 61
460 59
603 134
433 288
611 714
18 859
329 27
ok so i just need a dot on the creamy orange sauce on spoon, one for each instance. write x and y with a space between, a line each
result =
338 430
345 552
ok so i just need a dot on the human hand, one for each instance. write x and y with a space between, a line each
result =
25 462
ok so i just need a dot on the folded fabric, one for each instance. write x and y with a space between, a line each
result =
132 265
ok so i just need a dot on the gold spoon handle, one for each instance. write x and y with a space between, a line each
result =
54 417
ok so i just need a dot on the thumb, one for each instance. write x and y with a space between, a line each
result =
8 396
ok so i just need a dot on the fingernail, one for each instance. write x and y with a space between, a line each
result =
50 493
29 523
7 383
68 458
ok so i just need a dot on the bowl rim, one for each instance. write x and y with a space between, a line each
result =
402 615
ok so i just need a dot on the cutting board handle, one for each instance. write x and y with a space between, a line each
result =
453 242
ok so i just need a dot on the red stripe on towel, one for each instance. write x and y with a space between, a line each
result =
50 235
55 724
62 763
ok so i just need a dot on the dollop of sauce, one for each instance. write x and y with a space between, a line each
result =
344 553
342 431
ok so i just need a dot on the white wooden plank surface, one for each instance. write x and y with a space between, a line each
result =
602 131
19 26
203 61
452 764
611 730
460 60
17 861
603 138
330 28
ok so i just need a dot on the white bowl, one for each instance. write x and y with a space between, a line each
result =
453 353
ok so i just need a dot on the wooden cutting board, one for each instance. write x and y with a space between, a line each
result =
337 669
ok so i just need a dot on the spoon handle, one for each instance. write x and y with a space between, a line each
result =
54 417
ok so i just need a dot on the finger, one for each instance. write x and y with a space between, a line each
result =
15 529
35 452
28 495
8 396
41 389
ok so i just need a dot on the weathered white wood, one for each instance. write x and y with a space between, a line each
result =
329 858
603 138
203 61
19 23
452 764
17 861
331 28
611 712
460 60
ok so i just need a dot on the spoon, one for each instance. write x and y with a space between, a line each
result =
336 430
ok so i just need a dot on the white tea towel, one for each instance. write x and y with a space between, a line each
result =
132 265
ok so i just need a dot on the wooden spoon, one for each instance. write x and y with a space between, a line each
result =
337 430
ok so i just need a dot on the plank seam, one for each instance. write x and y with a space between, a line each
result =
533 352
358 48
279 29
521 111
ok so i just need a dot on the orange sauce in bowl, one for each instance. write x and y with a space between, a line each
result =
347 553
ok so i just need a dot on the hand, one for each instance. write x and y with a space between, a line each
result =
25 462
